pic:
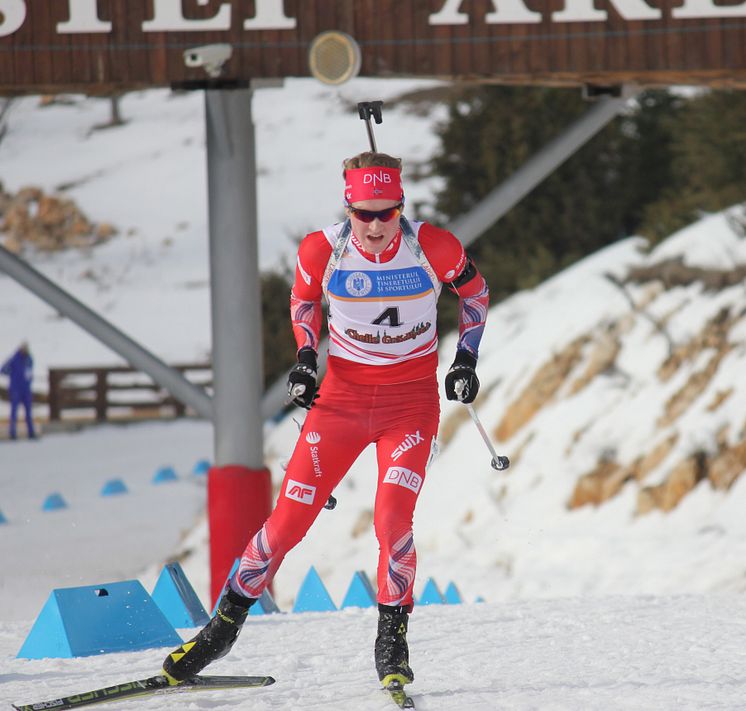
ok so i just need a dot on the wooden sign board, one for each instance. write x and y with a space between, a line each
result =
49 46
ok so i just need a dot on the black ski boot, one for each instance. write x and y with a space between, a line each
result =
392 652
213 641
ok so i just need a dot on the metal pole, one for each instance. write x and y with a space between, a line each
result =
234 279
172 380
239 486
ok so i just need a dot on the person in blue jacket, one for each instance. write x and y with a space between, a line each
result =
19 369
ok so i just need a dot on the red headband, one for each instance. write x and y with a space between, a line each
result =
375 183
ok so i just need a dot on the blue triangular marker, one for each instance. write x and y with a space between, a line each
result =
201 467
313 596
233 569
97 619
165 474
360 593
114 487
452 596
265 605
53 502
431 595
174 594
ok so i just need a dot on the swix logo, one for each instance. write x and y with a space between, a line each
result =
375 178
305 493
403 477
411 440
313 438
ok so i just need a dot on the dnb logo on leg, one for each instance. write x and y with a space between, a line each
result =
403 477
304 493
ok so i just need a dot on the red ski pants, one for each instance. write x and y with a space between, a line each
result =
402 420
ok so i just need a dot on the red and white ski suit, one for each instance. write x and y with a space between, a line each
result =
380 388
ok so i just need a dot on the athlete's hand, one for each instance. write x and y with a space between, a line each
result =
302 379
462 382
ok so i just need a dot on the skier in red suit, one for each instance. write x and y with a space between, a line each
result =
381 276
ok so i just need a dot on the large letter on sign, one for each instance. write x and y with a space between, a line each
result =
449 14
584 11
168 16
512 12
83 18
509 12
270 15
706 8
12 15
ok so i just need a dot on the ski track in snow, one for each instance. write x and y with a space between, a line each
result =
662 653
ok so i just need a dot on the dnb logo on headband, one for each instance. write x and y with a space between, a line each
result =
375 183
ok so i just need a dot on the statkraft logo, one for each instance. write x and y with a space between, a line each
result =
315 460
313 438
403 477
304 493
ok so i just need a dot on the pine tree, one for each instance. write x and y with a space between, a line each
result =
708 170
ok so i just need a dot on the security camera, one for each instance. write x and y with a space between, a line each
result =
211 57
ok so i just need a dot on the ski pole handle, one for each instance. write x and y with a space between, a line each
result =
297 390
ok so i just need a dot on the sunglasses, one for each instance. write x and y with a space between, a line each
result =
383 215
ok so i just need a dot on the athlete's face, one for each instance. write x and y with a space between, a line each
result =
377 234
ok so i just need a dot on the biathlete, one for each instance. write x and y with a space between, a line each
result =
381 276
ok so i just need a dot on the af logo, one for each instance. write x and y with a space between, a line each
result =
304 493
358 284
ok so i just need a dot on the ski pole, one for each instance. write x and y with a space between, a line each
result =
366 109
498 462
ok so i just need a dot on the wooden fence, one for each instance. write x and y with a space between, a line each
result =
117 392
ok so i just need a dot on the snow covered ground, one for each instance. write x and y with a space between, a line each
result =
593 608
680 653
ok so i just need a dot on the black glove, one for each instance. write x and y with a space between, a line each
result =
303 374
463 369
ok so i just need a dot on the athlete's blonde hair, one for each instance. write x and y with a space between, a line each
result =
369 159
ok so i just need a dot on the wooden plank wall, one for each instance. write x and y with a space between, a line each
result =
396 40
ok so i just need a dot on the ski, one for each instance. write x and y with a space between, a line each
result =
151 686
400 697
